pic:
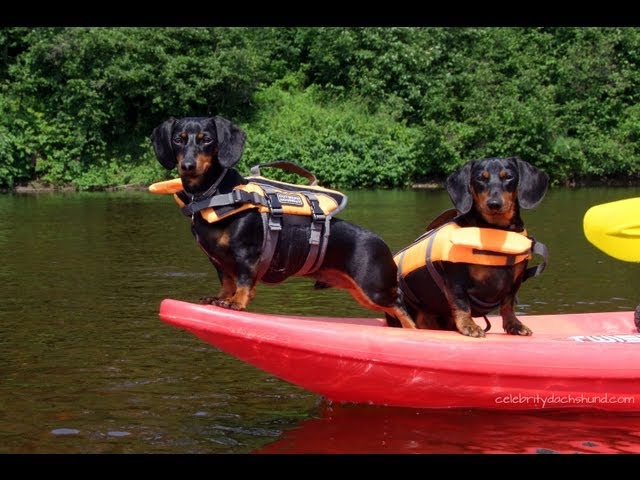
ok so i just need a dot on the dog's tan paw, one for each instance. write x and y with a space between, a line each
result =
517 328
472 330
229 304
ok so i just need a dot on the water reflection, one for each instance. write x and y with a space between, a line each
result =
368 429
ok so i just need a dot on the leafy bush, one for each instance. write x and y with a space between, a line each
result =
362 107
340 142
93 94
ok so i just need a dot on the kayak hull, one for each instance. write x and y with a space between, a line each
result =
572 361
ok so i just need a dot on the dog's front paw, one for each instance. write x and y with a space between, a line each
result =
517 328
231 305
221 302
208 300
471 329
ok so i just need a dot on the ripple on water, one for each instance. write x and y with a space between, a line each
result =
65 431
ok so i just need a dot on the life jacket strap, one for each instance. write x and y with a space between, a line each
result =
275 209
317 242
272 225
435 275
271 231
222 200
404 290
538 248
482 306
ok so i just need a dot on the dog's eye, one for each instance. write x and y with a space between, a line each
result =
177 140
206 139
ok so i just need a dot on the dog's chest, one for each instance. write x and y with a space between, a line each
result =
493 283
222 240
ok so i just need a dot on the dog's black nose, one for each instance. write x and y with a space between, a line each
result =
494 204
187 166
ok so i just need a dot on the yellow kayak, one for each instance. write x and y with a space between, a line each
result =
614 228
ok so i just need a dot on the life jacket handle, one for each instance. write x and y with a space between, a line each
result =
286 165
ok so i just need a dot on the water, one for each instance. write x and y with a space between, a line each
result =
86 366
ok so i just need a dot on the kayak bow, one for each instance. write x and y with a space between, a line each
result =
614 228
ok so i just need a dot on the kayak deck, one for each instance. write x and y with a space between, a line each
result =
584 360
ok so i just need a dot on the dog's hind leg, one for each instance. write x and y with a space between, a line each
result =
399 313
389 301
384 298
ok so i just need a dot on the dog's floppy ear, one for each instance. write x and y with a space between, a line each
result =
161 138
230 142
532 185
458 187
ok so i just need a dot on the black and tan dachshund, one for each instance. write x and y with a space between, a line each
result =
443 294
205 151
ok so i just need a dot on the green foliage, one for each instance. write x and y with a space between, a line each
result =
479 92
340 142
93 94
16 153
361 107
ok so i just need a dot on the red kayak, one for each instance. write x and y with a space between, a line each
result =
572 361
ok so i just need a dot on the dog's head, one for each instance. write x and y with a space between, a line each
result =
497 186
201 147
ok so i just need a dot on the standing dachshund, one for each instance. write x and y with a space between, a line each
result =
205 151
453 273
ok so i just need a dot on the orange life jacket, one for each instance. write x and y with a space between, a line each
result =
295 199
480 246
275 200
473 245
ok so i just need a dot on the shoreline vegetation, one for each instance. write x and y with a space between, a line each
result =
39 189
362 107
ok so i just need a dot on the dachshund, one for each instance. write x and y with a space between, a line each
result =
443 292
205 151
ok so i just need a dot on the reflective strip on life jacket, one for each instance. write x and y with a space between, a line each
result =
474 245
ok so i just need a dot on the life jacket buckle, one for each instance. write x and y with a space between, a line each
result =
236 196
274 205
276 212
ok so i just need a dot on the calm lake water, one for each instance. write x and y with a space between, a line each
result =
86 366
